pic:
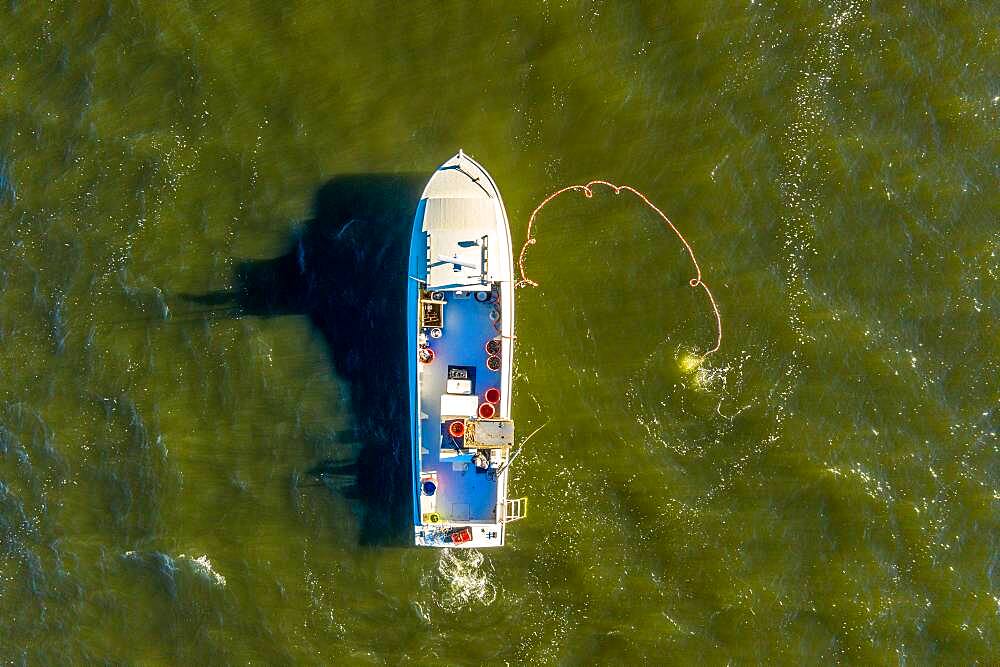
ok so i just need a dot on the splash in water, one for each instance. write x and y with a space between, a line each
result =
202 566
689 362
464 577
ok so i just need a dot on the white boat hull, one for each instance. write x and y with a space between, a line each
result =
460 277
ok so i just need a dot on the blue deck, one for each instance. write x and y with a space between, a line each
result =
464 493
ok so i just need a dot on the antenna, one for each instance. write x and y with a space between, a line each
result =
457 262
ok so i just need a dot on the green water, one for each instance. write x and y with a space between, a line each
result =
200 453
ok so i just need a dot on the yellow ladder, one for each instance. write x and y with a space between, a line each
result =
516 509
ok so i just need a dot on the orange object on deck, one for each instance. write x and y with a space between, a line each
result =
456 429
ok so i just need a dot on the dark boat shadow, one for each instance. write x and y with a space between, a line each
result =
346 271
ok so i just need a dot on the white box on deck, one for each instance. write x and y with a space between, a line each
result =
459 386
459 406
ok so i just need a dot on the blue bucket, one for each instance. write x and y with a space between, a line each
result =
429 488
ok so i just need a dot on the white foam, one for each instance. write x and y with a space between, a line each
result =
464 578
203 567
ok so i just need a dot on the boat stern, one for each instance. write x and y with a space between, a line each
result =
459 535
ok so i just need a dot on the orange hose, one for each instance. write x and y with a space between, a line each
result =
588 193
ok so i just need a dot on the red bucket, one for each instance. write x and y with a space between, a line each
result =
493 395
456 429
486 411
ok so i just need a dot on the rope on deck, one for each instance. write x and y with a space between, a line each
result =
588 192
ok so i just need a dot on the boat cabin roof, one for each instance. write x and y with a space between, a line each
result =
464 223
460 231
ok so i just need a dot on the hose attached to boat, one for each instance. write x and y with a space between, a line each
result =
520 449
696 281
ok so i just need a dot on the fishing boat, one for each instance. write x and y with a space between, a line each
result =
460 324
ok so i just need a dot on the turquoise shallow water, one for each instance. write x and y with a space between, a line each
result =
200 450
